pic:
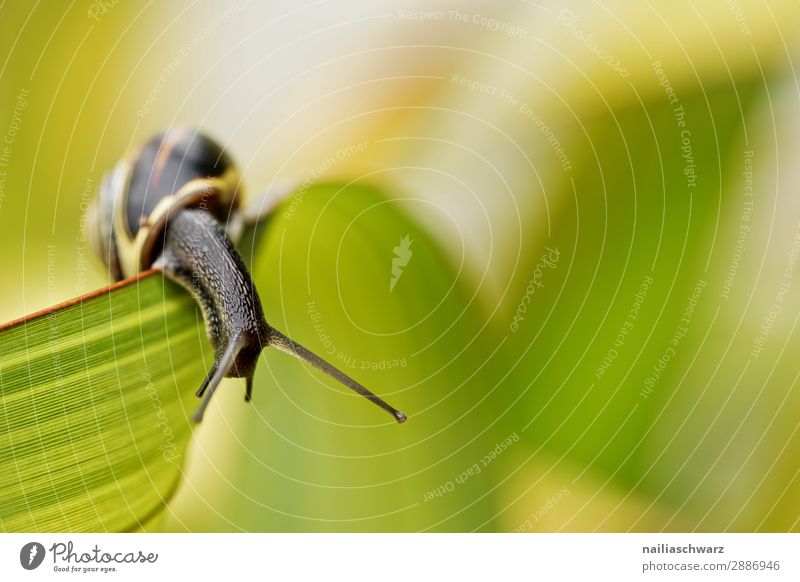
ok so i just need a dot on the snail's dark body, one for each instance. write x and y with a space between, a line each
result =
168 209
198 255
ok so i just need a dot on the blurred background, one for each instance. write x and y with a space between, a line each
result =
597 328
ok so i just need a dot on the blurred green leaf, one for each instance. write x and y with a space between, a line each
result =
634 360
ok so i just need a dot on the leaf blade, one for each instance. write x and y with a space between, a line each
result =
95 401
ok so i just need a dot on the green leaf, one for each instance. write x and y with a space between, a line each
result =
93 409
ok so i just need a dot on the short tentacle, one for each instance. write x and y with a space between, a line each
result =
248 395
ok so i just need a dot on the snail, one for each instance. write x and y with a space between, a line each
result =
174 207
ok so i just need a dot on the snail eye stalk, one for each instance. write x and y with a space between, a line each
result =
284 344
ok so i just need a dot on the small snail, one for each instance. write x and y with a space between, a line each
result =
166 209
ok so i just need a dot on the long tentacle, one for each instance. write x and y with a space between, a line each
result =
289 346
217 372
210 375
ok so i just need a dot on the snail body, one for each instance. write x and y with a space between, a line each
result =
174 207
